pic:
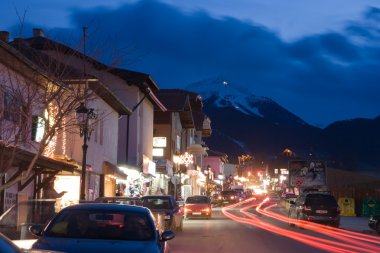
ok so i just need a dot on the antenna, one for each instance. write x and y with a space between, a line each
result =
84 50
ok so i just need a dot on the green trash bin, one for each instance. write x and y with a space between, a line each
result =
371 207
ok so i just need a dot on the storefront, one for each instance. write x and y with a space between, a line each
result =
111 174
164 171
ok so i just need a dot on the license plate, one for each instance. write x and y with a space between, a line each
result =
197 213
321 211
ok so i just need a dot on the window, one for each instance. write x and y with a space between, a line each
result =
102 225
96 131
101 131
12 108
1 104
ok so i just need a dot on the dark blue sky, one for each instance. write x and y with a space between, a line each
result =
322 66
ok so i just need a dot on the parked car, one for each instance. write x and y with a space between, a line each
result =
228 197
134 201
198 206
215 199
165 206
101 227
374 223
316 207
7 246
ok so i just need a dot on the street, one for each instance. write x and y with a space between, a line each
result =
245 230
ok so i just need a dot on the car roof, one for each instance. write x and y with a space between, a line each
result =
119 197
107 207
157 196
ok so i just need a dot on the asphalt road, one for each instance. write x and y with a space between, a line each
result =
253 232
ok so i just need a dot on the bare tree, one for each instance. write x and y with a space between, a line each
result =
36 91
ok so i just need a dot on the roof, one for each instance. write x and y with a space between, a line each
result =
43 162
60 72
143 81
195 98
157 197
107 206
176 102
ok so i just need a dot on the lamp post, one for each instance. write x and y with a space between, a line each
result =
84 117
207 173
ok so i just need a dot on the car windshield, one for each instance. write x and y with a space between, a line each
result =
157 203
320 199
105 225
228 193
196 200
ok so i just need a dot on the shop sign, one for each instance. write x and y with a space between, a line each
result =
307 173
159 142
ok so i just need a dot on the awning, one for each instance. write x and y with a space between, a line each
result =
113 170
43 162
196 149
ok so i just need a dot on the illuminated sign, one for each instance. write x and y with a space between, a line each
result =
158 152
159 142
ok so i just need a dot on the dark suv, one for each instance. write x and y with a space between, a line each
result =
316 207
228 197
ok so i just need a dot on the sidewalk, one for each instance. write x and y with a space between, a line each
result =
357 224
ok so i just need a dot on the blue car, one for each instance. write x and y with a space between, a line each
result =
100 227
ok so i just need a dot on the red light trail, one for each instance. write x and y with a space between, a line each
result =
351 241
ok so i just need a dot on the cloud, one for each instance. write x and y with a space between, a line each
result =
321 77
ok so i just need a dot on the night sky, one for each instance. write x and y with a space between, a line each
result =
319 59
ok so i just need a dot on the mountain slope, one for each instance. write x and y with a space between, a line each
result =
243 123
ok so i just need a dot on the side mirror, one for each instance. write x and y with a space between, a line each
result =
36 229
167 235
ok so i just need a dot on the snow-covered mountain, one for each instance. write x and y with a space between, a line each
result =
225 94
243 123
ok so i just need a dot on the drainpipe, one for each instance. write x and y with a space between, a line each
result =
128 120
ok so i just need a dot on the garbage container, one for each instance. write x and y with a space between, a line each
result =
371 207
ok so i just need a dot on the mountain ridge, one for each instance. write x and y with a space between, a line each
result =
243 123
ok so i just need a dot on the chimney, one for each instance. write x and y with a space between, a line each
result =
4 36
37 32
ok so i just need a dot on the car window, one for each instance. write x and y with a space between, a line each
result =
93 224
157 203
196 200
320 199
227 193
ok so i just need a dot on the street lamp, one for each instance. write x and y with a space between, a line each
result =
84 117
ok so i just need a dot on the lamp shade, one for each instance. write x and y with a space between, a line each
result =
81 114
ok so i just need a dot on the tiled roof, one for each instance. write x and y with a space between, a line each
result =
141 80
